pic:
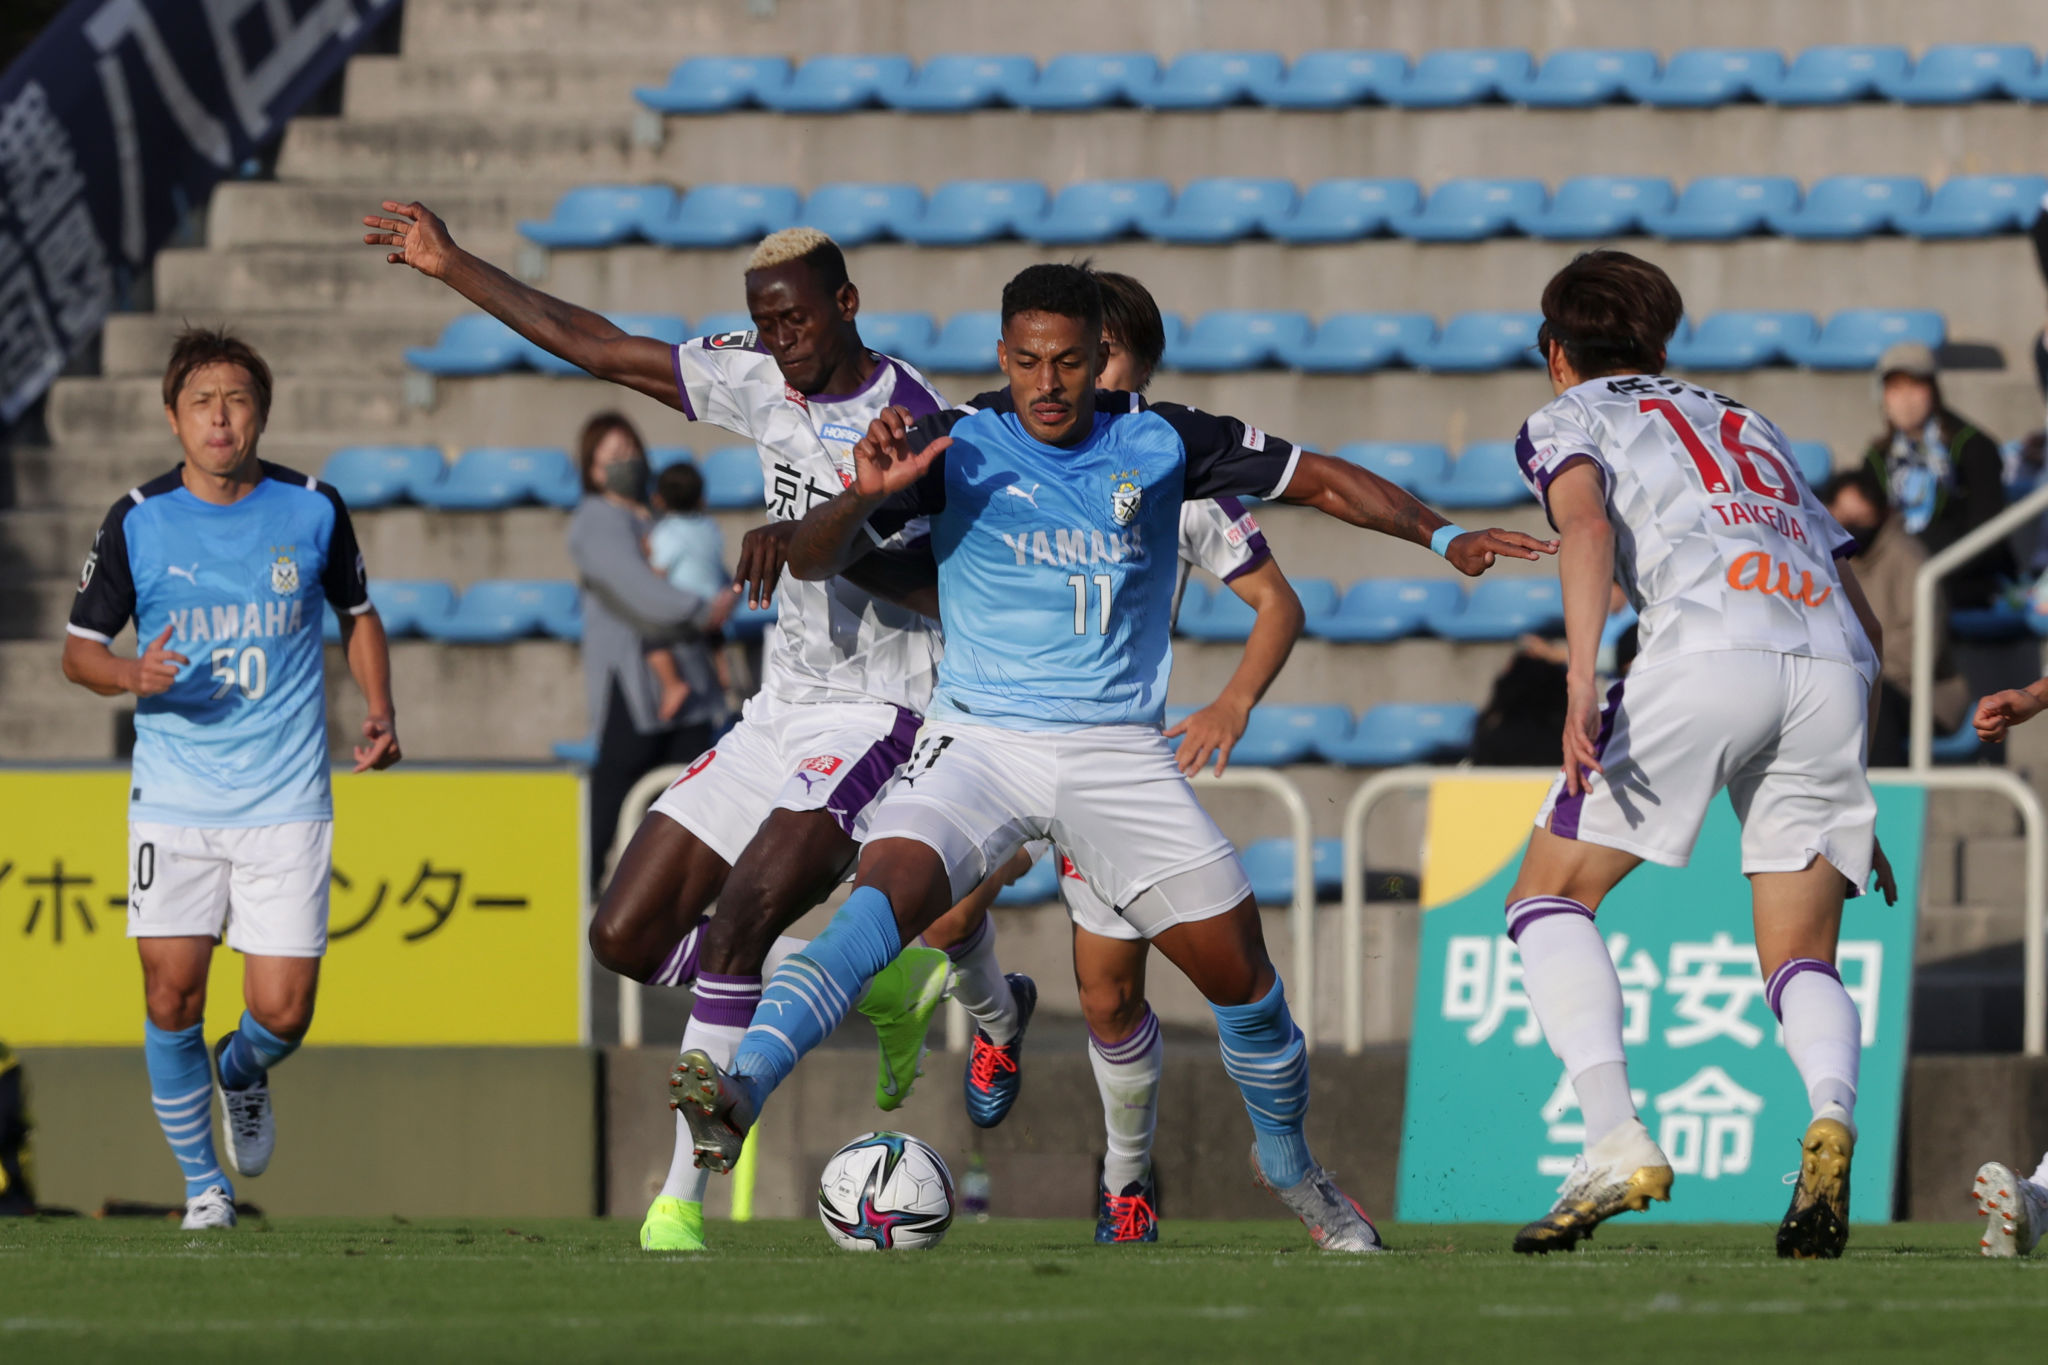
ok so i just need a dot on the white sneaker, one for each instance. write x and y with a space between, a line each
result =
210 1208
1624 1170
1331 1216
2015 1210
246 1121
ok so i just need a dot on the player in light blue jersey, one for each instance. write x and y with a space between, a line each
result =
223 564
1056 529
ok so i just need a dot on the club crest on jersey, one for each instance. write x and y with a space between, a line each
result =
1124 495
284 575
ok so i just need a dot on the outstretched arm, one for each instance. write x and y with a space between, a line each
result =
830 538
1345 491
420 239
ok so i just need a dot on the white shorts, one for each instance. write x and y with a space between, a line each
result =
1086 909
1111 798
835 756
262 889
1783 733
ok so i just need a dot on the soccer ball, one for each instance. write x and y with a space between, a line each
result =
886 1192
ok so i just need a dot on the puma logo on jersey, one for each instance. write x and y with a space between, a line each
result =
1752 573
190 575
1031 497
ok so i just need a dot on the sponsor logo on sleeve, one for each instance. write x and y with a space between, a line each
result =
1254 439
823 764
1241 530
729 341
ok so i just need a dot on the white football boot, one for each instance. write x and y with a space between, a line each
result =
1622 1171
2015 1211
208 1209
1331 1216
246 1121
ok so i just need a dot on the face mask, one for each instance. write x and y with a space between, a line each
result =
627 478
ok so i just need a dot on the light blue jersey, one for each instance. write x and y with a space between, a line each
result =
240 739
1057 564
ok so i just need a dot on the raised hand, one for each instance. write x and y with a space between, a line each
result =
2001 711
1473 553
156 668
882 459
420 237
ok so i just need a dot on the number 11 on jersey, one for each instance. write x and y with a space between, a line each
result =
1079 583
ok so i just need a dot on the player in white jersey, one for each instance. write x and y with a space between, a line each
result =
768 821
1758 659
1125 1048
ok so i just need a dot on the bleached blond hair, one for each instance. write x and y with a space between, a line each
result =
790 244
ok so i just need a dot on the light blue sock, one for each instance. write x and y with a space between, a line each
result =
251 1051
181 1089
1264 1053
812 990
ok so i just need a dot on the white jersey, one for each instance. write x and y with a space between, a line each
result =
1217 534
1719 543
832 641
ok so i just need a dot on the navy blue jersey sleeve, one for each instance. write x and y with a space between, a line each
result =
926 497
106 585
1227 458
346 579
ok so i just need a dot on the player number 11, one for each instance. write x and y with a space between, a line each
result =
1079 583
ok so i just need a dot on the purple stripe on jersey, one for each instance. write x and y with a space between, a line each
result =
675 360
1257 551
857 791
910 394
1564 816
1526 912
1774 989
1144 1038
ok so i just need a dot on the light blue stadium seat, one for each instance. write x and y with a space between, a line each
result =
1036 887
1996 622
726 215
662 457
1238 339
1978 206
377 476
475 343
1467 210
601 215
1193 606
1456 76
1845 206
836 83
1816 462
1718 207
1381 609
964 212
747 622
408 606
490 477
497 611
1269 867
1485 474
1228 618
1090 80
1099 211
1221 209
1963 73
1472 342
1398 733
581 752
1744 339
1356 343
1503 608
713 85
1854 338
1703 77
661 326
1579 78
732 479
1212 80
957 82
719 324
1411 464
1275 736
855 214
1335 79
1838 74
1961 747
899 334
965 345
1345 210
1600 206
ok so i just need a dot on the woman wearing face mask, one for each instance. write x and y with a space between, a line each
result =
626 609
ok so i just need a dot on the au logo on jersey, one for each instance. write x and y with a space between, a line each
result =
1124 495
284 575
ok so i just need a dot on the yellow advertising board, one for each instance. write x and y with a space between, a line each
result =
455 915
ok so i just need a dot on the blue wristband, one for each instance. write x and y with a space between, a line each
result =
1445 534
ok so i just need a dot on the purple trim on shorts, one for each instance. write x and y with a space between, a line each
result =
1564 816
1144 1038
973 940
679 968
872 773
1774 989
1527 911
726 1001
675 362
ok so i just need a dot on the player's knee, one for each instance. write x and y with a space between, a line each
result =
616 948
175 1005
289 1019
1112 1008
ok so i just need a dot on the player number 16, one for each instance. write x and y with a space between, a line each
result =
1079 583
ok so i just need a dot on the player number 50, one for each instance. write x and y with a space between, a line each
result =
1079 583
250 672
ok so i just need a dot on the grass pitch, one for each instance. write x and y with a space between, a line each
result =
1007 1291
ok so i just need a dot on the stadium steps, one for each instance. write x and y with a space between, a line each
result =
386 86
334 342
318 282
328 213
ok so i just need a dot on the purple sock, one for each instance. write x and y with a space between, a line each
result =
726 1001
679 968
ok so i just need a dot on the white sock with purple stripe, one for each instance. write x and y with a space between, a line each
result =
1823 1034
979 984
1127 1074
1571 984
725 1005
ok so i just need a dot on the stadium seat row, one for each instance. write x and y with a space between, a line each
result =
1382 609
1574 78
496 611
489 478
1230 208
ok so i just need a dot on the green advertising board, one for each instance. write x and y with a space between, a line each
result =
1491 1123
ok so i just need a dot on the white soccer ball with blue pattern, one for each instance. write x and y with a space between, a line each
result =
886 1192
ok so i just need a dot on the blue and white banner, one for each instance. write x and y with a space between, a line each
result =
117 119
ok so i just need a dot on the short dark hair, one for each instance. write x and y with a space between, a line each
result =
680 487
1130 316
592 436
1610 311
1070 291
198 347
1864 480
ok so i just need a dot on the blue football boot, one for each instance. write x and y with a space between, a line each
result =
993 1079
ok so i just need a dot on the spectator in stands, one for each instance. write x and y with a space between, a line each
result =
1887 559
1944 476
625 609
1523 720
685 548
